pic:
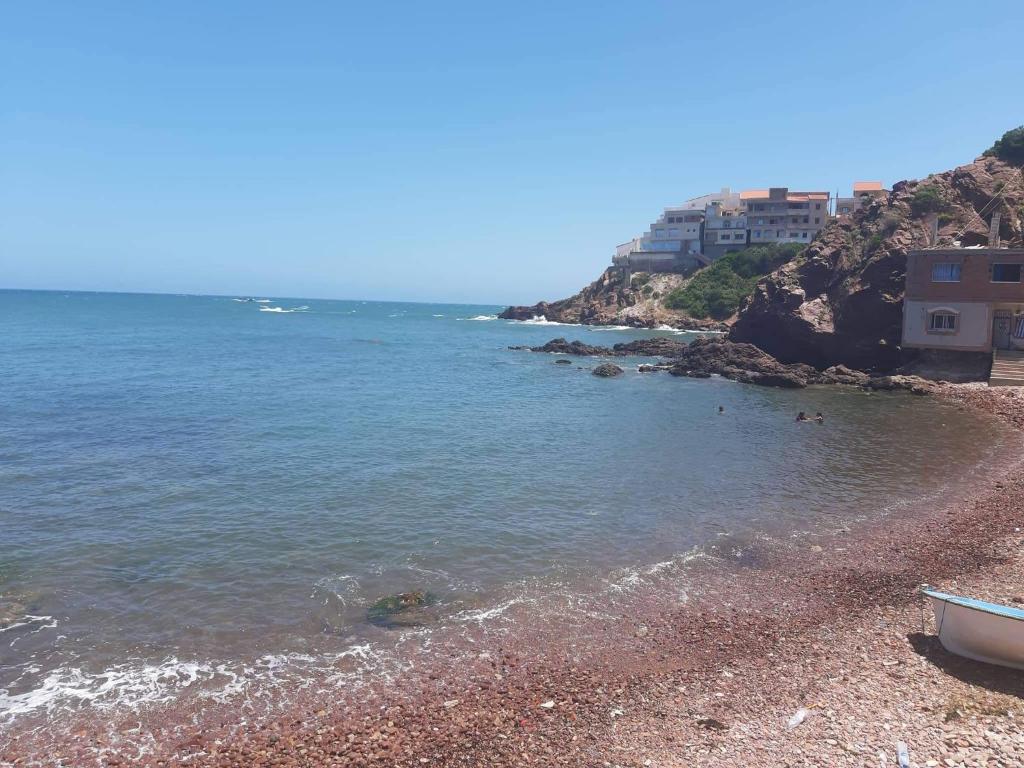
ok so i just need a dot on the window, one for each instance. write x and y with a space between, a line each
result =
806 220
1006 273
778 233
817 206
726 237
659 233
817 220
794 234
757 233
727 224
945 273
804 235
942 321
771 221
673 231
844 209
760 221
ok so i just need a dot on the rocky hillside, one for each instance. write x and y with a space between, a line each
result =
840 301
606 301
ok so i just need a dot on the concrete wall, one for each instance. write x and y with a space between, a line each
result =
973 332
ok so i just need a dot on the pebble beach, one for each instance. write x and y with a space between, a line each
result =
818 653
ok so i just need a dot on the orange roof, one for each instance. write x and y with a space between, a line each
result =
867 186
762 194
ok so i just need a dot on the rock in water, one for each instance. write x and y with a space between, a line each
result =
403 609
607 370
561 346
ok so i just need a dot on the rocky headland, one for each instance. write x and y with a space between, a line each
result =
841 300
608 301
838 302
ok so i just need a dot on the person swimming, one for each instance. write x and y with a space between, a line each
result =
819 418
802 416
721 409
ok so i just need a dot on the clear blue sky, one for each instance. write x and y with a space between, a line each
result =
473 151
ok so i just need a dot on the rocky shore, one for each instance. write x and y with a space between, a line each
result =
704 357
828 626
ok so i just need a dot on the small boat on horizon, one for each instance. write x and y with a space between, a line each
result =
977 629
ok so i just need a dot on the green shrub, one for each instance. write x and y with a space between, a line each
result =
927 199
1010 147
717 290
890 223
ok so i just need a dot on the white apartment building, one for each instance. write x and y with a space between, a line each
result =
674 241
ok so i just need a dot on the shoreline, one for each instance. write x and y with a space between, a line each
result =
710 682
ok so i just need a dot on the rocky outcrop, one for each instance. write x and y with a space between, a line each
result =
607 370
657 347
608 301
741 362
841 300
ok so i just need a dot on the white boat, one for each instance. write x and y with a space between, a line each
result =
979 630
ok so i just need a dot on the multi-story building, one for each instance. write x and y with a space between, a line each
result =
725 229
673 243
777 215
863 193
965 299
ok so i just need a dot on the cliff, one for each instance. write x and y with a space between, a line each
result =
606 301
840 301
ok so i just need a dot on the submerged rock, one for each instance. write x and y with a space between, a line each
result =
607 370
403 609
563 361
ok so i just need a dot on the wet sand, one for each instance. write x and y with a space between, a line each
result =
830 623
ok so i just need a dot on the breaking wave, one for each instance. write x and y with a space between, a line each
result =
282 310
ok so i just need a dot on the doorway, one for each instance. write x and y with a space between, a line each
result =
1001 323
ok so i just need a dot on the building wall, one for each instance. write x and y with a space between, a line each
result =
974 296
974 326
975 275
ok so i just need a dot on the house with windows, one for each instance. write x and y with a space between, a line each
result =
777 215
964 299
863 193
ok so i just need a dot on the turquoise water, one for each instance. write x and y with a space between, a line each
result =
198 478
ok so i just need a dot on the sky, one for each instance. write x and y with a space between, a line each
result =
454 151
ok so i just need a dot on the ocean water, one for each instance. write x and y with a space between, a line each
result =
194 488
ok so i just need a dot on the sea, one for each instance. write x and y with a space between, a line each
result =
202 495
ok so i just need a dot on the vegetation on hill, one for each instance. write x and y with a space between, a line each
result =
716 291
1009 148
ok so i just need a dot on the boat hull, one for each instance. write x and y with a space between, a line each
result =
979 634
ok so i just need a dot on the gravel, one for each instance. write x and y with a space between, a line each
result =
829 624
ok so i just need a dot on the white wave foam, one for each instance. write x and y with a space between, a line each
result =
44 622
480 615
541 320
438 315
282 310
611 328
262 301
134 685
480 317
